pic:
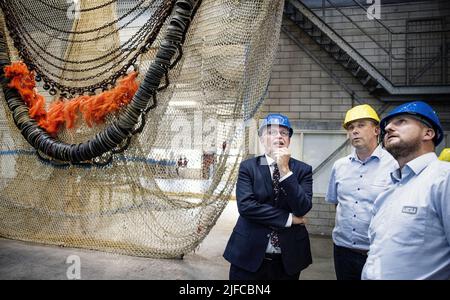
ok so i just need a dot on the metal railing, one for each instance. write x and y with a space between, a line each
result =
401 62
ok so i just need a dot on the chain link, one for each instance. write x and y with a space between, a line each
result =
148 33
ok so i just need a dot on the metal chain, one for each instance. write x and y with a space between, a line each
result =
141 32
81 10
19 25
50 84
24 12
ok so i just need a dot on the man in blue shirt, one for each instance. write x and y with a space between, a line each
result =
410 230
356 180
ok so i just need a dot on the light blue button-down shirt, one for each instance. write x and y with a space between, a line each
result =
410 230
354 185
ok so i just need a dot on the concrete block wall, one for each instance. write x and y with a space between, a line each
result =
302 89
320 220
394 16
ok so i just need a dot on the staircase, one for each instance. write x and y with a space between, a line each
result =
368 75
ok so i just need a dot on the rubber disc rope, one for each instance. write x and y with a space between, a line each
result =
116 137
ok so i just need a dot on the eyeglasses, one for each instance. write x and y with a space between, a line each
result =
274 132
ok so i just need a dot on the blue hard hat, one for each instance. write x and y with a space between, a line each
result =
276 119
419 109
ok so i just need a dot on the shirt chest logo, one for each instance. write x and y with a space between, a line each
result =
412 210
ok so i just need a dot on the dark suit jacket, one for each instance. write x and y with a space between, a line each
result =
259 215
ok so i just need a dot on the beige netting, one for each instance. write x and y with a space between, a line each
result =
161 196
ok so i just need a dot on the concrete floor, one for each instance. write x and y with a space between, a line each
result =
22 260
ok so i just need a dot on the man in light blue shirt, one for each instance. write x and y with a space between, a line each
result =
356 180
410 230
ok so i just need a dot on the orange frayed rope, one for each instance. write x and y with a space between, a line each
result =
93 108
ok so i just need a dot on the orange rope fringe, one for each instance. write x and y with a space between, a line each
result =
93 108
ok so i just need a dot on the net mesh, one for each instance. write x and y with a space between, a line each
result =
161 196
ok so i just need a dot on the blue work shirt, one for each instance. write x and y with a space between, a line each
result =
410 230
354 185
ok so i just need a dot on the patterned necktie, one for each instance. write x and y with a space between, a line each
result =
274 240
276 181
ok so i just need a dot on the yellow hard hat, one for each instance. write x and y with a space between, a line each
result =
363 111
445 155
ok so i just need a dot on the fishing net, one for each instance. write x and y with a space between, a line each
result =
101 165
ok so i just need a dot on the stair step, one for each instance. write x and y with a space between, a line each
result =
342 59
329 48
307 25
326 41
323 39
316 33
366 81
317 39
335 50
375 88
363 74
348 64
356 71
341 56
298 17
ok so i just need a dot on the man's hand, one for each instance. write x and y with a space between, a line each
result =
282 156
298 220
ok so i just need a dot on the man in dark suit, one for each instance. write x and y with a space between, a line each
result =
273 192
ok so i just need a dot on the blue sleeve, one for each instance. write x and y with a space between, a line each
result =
443 204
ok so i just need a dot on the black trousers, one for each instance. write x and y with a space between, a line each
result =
348 263
271 269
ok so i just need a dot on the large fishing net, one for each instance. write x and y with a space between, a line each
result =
131 140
